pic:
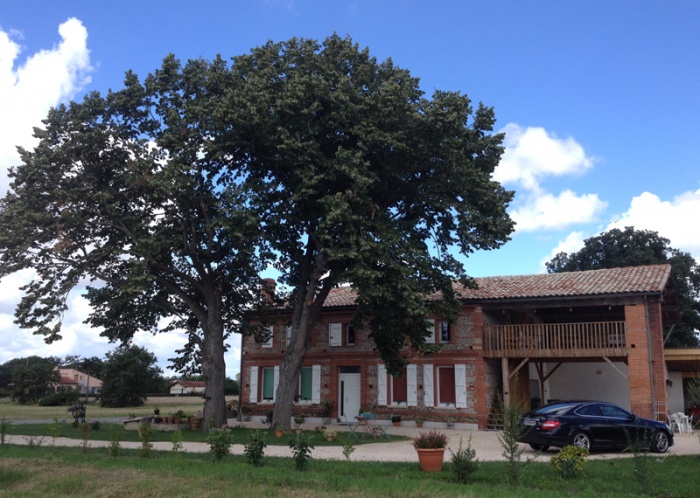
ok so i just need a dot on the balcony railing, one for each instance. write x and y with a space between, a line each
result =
555 340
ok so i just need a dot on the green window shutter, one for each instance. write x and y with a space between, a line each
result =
306 377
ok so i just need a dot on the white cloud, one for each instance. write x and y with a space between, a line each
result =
677 219
572 243
28 91
549 212
532 156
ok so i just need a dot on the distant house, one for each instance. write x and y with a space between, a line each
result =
187 386
75 379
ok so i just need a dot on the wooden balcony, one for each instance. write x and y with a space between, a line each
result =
556 340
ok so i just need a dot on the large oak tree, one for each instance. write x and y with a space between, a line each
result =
358 178
629 247
125 193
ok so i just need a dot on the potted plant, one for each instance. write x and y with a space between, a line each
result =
330 435
420 421
298 419
279 430
396 420
430 447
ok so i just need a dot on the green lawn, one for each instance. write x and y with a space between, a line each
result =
56 471
167 404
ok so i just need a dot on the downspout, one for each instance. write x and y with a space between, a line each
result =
242 383
651 367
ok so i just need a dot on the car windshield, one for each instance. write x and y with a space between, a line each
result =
554 409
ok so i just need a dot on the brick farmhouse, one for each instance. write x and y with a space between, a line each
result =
593 334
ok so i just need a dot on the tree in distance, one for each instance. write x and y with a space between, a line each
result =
33 378
128 375
629 247
358 178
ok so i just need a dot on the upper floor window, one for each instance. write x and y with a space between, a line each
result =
445 332
350 335
430 338
269 332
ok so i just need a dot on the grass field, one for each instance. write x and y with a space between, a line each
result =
167 404
55 471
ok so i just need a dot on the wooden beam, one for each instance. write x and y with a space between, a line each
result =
520 365
506 382
616 369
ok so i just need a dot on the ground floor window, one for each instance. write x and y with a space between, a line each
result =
268 383
446 386
399 389
305 384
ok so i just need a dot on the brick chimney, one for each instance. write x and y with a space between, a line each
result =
268 289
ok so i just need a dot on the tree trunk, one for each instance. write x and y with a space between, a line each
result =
307 307
214 370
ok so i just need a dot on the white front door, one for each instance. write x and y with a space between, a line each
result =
349 396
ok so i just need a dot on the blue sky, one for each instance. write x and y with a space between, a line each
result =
599 101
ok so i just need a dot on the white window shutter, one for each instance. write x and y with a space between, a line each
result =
428 392
412 385
335 334
431 329
316 384
253 394
289 334
276 381
461 386
381 385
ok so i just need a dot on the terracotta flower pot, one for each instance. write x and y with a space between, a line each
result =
279 433
431 459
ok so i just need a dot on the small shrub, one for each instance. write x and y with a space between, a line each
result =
86 436
176 439
464 462
95 425
569 461
639 446
115 437
34 441
255 449
509 438
145 433
348 448
54 430
301 451
431 439
4 426
219 443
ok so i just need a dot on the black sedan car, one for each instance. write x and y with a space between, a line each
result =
591 425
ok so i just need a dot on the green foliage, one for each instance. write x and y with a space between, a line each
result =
464 462
301 451
145 433
639 445
33 378
115 436
629 247
348 448
509 438
91 366
692 392
4 425
430 440
54 429
231 387
569 461
127 376
254 451
219 443
176 439
60 398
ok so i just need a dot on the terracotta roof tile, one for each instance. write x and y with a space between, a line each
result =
649 279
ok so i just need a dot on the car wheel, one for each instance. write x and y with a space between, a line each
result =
581 440
659 442
539 447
